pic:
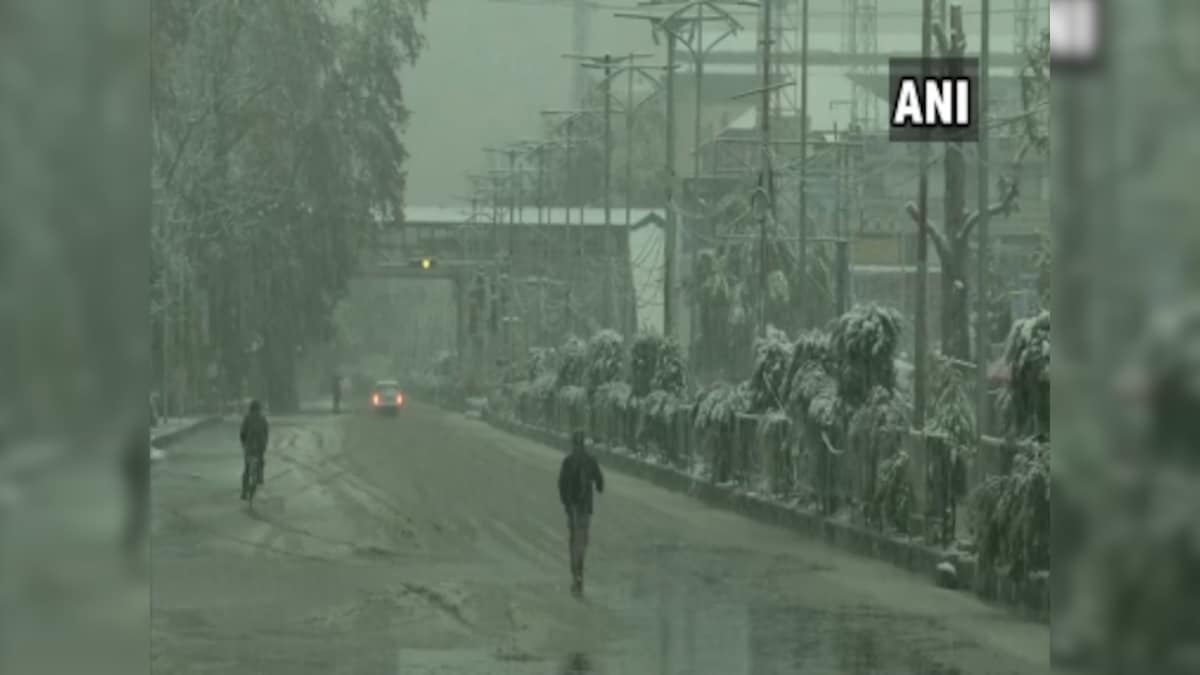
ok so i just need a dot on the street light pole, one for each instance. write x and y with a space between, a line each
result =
608 253
802 282
982 341
922 329
629 144
669 234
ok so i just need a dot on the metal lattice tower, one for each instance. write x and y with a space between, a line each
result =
860 36
787 31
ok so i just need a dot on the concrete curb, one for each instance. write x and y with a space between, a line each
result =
165 439
1031 602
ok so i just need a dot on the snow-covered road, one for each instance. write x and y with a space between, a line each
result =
431 543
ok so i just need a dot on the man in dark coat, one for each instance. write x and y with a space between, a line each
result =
135 470
580 472
255 436
337 393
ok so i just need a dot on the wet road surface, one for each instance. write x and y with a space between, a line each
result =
432 543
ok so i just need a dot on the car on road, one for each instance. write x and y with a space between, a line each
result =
386 397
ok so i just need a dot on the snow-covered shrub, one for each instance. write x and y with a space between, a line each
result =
572 363
768 383
714 417
718 406
655 363
669 374
605 359
812 347
611 402
876 432
864 341
613 395
572 401
1010 516
893 499
773 433
1027 400
952 417
541 393
658 410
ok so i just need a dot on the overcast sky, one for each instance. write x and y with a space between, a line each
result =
491 66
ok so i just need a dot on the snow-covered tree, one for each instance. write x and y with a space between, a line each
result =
952 239
277 154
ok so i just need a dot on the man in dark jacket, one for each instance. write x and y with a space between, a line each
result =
337 393
255 435
579 473
135 469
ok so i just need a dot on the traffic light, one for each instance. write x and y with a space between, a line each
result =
424 264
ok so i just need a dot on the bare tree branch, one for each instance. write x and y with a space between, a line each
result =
1010 186
935 235
1002 207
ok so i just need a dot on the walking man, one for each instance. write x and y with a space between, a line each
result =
337 393
255 435
580 472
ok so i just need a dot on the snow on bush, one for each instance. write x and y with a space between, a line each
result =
572 359
669 374
719 406
768 383
881 423
656 363
605 358
614 396
893 499
864 341
1027 356
1010 516
659 406
953 411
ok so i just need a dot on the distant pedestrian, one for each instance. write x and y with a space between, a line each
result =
337 394
255 435
135 470
580 472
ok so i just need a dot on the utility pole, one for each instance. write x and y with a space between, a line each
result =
765 178
629 125
982 325
580 15
608 243
698 70
614 314
802 284
629 69
670 234
842 244
606 63
922 330
571 265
